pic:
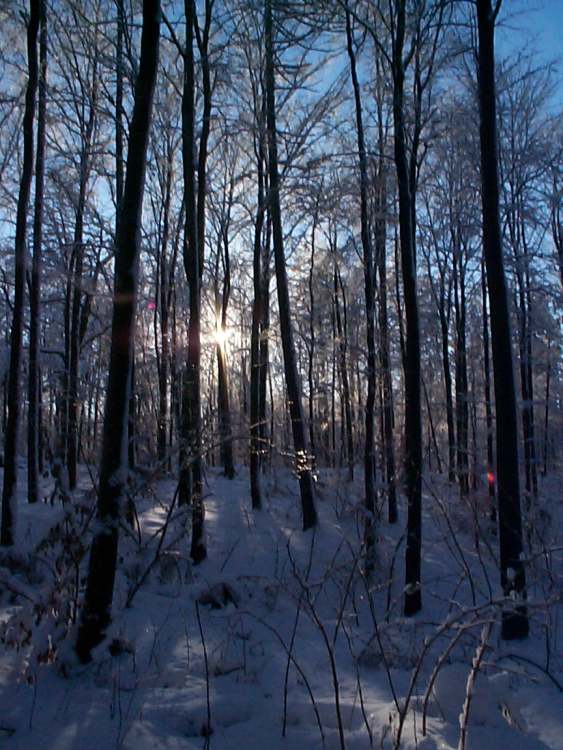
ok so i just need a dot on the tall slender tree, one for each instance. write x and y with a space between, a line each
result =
302 457
512 572
342 336
80 72
491 484
380 230
223 257
258 331
9 489
34 426
369 449
96 612
413 426
194 196
165 269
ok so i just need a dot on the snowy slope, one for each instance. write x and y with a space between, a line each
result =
274 634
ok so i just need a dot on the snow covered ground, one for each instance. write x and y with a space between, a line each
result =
277 640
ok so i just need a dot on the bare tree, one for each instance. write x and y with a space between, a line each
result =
512 573
34 426
223 219
194 244
9 489
96 612
369 449
302 457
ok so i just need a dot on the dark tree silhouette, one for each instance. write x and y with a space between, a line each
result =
369 450
259 329
413 425
302 459
34 390
194 198
96 612
512 573
9 490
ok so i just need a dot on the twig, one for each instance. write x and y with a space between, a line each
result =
233 548
391 575
439 664
330 651
143 578
208 729
298 668
359 685
17 587
289 656
547 673
478 658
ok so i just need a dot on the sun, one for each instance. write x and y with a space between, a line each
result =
221 336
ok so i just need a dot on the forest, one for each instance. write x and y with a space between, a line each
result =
282 377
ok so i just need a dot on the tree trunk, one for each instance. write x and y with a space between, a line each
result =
96 613
9 490
398 304
256 396
132 415
34 384
546 413
191 457
388 416
369 455
224 408
488 407
461 400
72 448
342 335
163 308
302 457
311 346
513 577
266 440
556 224
413 425
119 135
527 370
448 386
432 429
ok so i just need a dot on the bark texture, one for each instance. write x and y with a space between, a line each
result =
302 457
96 612
512 573
9 489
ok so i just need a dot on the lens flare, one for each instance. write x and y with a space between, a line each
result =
221 336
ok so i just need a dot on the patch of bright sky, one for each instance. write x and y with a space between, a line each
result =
536 25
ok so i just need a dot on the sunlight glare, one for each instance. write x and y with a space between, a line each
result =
222 335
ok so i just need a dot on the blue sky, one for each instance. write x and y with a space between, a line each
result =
536 22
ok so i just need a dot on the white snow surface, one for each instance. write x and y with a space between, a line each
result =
267 588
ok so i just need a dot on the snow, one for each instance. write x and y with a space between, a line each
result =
268 589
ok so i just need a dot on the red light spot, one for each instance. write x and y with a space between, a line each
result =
491 477
151 305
